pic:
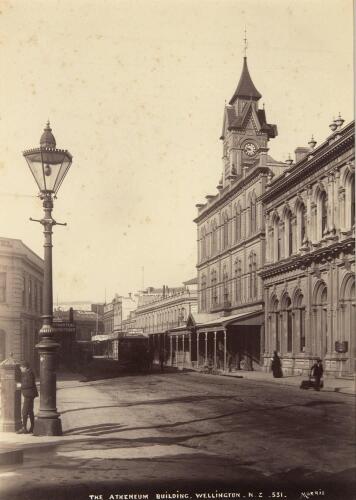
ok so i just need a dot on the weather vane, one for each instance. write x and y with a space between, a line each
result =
246 44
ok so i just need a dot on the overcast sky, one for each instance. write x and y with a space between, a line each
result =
135 90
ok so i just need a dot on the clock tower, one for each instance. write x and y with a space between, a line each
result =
245 131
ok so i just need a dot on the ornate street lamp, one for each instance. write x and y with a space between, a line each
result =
48 166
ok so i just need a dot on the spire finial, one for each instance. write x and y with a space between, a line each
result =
245 43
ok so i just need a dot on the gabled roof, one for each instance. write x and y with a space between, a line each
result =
232 121
245 88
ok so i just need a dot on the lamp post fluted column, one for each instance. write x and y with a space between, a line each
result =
47 421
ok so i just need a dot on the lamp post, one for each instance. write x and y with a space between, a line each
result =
48 166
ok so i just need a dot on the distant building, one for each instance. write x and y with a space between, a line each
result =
21 291
159 313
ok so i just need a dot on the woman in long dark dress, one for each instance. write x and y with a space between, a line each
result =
276 366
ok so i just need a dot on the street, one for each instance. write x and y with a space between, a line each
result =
190 432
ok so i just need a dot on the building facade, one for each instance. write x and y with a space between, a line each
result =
21 292
276 250
231 240
164 318
309 274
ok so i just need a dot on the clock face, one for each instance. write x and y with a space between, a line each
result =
250 149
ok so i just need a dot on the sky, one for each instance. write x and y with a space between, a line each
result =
135 90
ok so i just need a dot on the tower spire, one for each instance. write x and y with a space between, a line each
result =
245 43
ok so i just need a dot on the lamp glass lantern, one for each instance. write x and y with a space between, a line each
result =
48 165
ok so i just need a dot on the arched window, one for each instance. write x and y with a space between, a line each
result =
252 267
301 321
203 293
275 312
214 230
214 291
238 288
288 224
203 243
277 239
323 207
352 189
226 285
225 230
253 221
289 318
302 225
30 294
238 223
23 291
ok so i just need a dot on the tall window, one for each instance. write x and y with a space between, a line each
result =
30 294
288 306
203 292
277 243
225 230
2 287
214 230
238 223
289 229
275 310
301 313
302 212
226 284
203 243
238 288
214 291
352 189
252 275
23 298
324 212
36 297
253 221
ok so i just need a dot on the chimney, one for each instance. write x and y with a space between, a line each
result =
71 315
163 291
301 153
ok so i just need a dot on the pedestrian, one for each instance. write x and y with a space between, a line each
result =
317 372
276 366
29 393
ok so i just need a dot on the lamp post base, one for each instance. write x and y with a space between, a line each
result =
47 427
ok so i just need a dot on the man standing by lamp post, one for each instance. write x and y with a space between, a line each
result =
48 166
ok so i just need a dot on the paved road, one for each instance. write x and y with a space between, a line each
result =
187 431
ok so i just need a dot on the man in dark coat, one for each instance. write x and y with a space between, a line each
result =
317 372
276 366
29 393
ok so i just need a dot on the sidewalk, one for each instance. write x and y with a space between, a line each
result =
343 386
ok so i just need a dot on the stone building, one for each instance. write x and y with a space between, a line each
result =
164 319
21 289
308 277
231 242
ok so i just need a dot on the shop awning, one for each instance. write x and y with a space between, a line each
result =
253 318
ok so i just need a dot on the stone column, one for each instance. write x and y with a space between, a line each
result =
171 349
177 350
197 349
190 347
215 350
224 350
183 348
206 348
